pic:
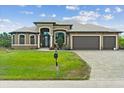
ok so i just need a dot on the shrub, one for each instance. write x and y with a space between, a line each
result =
60 42
5 40
121 41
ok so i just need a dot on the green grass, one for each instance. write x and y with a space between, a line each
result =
36 65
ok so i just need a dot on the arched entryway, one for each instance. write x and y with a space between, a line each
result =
44 37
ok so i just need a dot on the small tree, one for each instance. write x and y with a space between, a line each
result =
60 42
5 40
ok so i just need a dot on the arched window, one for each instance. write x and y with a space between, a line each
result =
32 39
13 39
22 39
60 36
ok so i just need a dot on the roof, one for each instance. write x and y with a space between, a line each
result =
26 29
76 27
91 28
44 22
55 23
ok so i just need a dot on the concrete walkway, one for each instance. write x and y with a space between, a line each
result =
105 65
61 84
43 49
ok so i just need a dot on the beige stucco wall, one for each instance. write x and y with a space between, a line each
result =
69 38
27 42
62 27
49 26
16 40
52 29
27 38
25 47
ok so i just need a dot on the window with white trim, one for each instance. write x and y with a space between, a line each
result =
59 35
22 39
32 39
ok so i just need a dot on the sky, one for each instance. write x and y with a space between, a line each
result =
13 17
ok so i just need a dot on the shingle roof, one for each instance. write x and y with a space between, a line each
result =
76 27
91 28
26 29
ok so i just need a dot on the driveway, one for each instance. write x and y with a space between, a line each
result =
105 65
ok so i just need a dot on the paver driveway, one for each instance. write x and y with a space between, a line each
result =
105 65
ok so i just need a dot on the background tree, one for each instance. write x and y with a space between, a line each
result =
5 40
121 41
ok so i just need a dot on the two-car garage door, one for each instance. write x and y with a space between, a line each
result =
93 42
86 42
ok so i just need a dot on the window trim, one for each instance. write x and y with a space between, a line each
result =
12 40
34 39
61 32
19 39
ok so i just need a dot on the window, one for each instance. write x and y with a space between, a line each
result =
32 39
22 39
60 35
13 39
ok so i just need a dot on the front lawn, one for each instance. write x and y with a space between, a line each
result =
36 65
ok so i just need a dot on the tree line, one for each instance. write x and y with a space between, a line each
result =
5 40
121 42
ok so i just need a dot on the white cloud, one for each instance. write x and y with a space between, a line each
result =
97 9
118 9
42 15
4 21
22 5
89 14
27 12
48 16
38 6
108 17
107 10
53 15
6 25
72 7
84 17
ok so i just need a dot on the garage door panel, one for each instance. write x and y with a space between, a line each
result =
109 42
86 42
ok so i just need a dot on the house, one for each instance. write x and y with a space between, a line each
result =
74 36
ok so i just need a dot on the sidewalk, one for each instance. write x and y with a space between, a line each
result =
61 84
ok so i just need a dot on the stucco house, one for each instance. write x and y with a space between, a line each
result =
75 36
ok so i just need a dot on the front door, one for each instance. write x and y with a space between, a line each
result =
46 41
44 37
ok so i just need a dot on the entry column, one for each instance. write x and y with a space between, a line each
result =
38 40
51 40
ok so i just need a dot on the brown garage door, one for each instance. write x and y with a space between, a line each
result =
109 42
86 42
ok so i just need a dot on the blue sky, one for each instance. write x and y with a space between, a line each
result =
13 17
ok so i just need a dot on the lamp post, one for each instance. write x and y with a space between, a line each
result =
57 66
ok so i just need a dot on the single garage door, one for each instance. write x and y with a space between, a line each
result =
109 42
86 42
